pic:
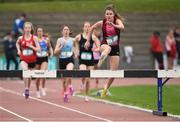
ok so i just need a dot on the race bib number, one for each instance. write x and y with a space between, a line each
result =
66 54
42 54
27 52
86 56
112 40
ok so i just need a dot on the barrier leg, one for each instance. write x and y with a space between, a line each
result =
159 112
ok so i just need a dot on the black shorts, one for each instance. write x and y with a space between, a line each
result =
168 54
30 65
86 62
40 60
63 62
114 51
96 62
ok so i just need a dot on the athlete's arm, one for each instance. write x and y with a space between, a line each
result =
99 23
50 48
118 24
57 48
18 46
76 45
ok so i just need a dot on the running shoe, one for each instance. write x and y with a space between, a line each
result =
86 99
38 94
99 93
43 92
104 93
65 97
71 90
26 93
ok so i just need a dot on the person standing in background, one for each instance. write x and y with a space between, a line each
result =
177 39
170 46
18 25
10 50
157 49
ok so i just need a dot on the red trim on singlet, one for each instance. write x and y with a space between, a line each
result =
23 43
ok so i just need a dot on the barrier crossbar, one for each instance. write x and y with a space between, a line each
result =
91 73
159 74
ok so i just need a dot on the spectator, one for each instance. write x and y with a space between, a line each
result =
10 50
177 39
18 25
170 46
128 50
157 49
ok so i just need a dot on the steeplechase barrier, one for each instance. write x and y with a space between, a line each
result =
160 75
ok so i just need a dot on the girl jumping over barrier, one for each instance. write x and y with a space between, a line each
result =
111 26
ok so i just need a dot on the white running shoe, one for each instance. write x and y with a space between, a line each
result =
86 99
38 94
43 92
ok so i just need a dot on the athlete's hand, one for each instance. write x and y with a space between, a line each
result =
51 55
61 45
19 52
76 55
93 49
29 45
86 45
110 23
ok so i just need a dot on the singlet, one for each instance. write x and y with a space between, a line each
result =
67 47
84 53
111 35
44 48
27 54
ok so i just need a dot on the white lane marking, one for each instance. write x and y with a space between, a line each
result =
59 106
16 114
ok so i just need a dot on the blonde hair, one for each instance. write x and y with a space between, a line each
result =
32 28
116 14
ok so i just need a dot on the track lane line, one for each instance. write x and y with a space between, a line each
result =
59 106
4 109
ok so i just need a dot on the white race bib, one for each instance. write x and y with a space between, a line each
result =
86 56
42 54
27 52
66 54
112 39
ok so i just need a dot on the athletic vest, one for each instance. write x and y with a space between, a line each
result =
85 54
110 40
27 54
67 47
44 48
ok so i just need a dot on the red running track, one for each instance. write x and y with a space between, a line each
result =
14 107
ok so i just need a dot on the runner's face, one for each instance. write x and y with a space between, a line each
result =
40 32
109 15
27 28
66 31
86 27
